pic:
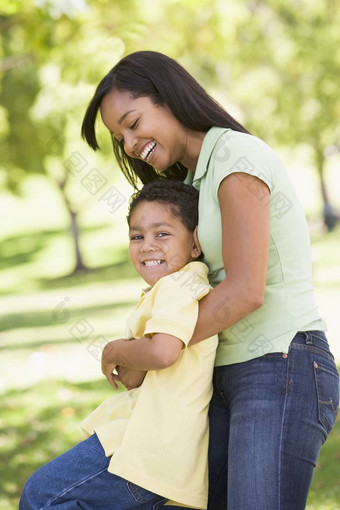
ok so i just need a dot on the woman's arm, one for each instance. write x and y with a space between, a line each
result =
244 204
148 353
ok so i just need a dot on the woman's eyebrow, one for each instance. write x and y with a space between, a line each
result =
122 118
124 115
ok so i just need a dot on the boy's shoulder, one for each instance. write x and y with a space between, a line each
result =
194 268
192 278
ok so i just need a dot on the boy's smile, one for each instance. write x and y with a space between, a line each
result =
160 244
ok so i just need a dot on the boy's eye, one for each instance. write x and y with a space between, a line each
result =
162 234
136 237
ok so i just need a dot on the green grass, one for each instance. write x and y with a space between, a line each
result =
38 423
50 378
325 490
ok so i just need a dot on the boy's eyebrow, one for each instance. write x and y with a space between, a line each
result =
153 225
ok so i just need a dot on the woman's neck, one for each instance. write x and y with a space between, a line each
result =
192 149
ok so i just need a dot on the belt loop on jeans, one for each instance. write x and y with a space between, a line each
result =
309 340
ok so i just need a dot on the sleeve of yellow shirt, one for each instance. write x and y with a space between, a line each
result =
176 300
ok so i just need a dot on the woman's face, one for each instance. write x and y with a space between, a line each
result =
149 132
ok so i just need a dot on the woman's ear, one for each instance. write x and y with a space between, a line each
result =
196 247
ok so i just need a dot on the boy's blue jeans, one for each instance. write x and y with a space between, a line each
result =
79 479
268 420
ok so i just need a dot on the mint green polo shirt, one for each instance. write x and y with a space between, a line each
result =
289 302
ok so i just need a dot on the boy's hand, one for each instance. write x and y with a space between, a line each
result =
108 363
129 377
110 376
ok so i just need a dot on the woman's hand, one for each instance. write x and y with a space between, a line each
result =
129 377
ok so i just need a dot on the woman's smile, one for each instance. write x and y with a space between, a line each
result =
148 150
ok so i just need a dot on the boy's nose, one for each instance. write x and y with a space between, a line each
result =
148 245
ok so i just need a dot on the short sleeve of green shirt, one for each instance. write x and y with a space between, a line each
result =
245 154
289 304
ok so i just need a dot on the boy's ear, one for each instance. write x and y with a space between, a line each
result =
196 247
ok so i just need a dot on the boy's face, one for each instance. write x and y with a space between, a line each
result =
160 243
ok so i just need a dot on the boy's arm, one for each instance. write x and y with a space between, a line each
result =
147 353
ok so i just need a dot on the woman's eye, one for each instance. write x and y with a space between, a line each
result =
132 126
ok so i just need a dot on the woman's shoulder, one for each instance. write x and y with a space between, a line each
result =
238 148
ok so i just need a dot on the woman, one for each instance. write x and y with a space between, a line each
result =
276 387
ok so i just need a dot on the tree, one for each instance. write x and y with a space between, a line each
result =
290 66
41 102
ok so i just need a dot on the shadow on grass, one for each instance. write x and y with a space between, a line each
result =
19 250
37 319
122 269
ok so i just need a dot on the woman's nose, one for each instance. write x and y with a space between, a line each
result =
130 145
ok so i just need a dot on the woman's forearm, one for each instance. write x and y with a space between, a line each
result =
225 305
245 247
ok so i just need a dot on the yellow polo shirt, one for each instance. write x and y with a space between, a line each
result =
157 434
289 303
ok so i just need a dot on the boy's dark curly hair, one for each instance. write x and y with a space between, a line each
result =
182 199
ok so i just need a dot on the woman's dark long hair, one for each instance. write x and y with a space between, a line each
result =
165 82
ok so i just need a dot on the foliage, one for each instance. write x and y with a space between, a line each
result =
285 78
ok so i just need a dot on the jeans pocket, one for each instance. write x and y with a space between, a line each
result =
327 387
141 495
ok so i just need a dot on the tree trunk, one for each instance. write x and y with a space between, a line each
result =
330 215
74 228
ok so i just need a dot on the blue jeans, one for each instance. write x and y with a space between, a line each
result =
79 479
268 420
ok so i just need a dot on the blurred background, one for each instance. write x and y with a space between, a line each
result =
66 284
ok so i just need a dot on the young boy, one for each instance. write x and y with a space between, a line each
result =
155 437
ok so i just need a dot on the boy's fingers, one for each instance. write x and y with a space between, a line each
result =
111 379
